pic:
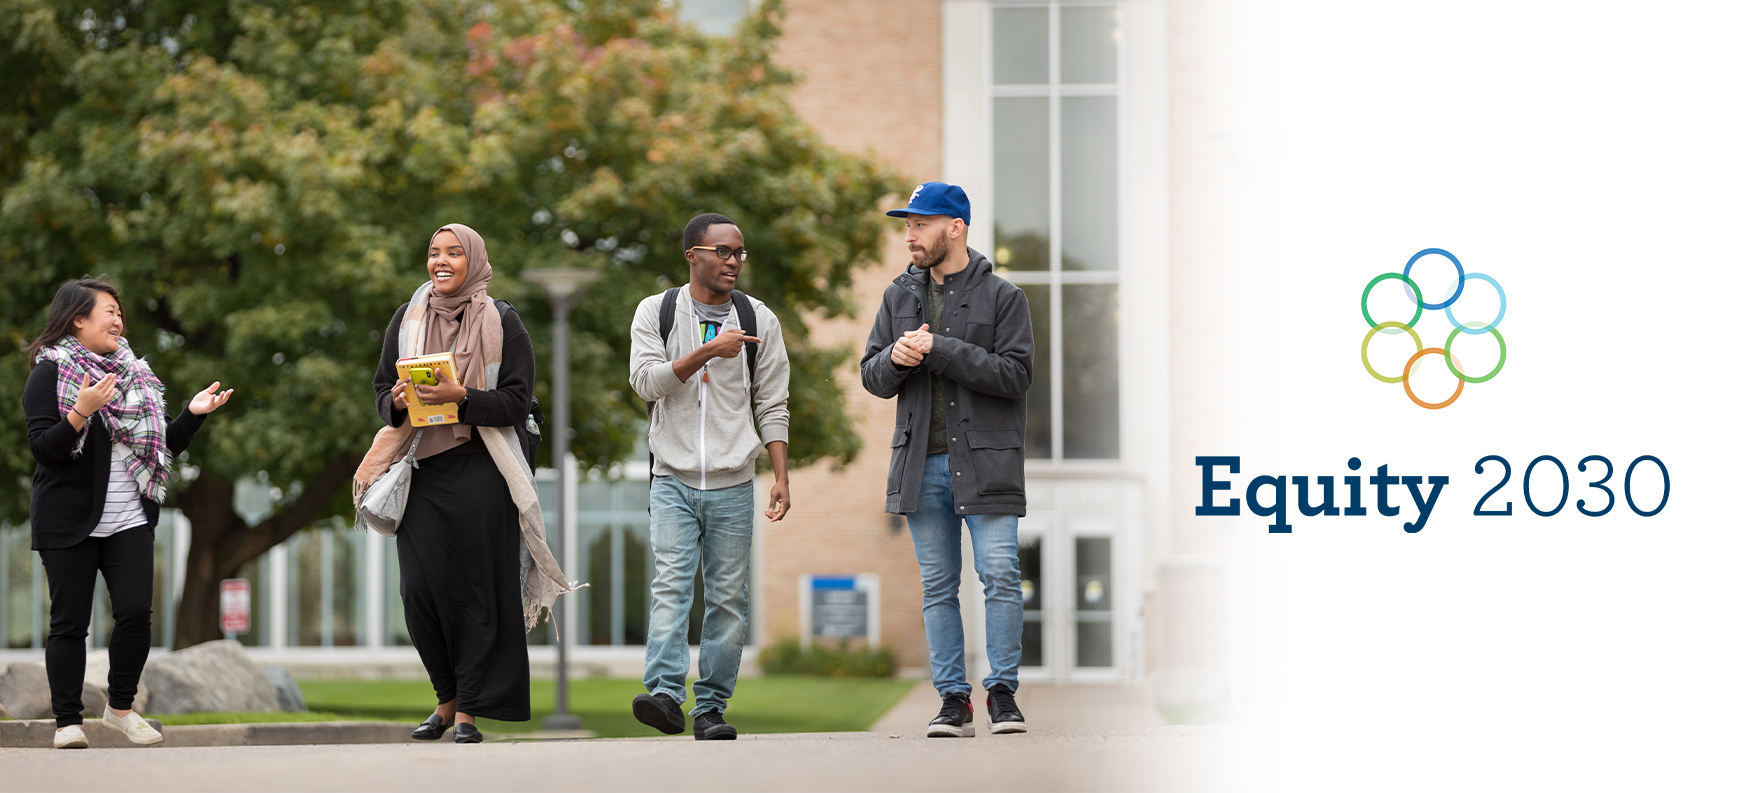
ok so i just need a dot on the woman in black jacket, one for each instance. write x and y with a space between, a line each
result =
103 447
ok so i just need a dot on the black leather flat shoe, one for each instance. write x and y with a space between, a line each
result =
467 733
430 730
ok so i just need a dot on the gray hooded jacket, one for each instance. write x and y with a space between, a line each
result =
702 430
983 352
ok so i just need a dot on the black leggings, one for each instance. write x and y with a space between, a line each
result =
126 562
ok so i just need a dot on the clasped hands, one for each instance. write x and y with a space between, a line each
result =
910 349
443 391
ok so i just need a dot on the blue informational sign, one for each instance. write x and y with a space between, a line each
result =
839 608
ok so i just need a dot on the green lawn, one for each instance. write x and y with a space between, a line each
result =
760 705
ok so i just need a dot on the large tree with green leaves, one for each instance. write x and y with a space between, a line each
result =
260 180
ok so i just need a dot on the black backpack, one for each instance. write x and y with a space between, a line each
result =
667 322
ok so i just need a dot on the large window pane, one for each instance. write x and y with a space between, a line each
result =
1089 183
1032 597
1022 45
1090 421
1038 436
1022 195
1089 39
713 17
1094 645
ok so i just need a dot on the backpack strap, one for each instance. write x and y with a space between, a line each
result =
750 326
667 314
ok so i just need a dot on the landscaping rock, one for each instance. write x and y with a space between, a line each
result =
24 691
96 673
214 676
95 697
289 694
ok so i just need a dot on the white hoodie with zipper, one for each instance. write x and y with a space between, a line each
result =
703 430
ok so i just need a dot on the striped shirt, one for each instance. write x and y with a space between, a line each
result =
122 509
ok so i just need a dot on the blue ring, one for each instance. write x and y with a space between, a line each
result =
1503 306
1458 287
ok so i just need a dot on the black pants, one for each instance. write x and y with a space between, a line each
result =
458 566
125 559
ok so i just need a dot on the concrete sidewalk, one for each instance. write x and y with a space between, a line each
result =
1045 705
1167 758
1083 738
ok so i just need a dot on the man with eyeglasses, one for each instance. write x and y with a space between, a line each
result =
710 363
954 342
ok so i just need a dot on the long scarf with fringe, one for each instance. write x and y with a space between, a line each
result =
540 578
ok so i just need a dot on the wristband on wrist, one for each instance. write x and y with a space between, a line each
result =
80 415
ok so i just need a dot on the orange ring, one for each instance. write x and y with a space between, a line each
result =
1406 381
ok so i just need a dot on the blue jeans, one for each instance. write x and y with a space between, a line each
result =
935 533
709 530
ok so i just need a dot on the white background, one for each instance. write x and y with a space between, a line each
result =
1586 156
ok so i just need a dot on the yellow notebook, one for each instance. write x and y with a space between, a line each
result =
422 415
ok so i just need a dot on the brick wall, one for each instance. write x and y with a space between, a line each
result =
872 85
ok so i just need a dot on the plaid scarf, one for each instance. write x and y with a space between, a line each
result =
137 427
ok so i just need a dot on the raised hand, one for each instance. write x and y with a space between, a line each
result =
208 400
92 396
729 343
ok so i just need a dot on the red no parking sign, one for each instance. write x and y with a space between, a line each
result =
234 605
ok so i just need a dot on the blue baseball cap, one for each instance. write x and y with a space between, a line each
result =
937 198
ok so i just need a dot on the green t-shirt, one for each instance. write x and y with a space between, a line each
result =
937 400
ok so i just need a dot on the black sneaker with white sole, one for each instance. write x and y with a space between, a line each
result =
955 719
1005 716
710 726
660 712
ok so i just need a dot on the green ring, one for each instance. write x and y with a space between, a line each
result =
1502 355
1417 297
1364 352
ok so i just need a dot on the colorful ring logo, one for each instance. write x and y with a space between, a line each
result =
1416 295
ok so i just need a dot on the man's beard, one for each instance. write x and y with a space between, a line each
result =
939 255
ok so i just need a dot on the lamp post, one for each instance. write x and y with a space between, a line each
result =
564 286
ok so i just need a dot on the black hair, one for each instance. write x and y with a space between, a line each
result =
75 299
698 226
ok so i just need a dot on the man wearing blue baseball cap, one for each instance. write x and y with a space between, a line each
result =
954 342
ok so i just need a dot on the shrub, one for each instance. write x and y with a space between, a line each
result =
824 658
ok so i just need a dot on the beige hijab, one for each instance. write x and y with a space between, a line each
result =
460 318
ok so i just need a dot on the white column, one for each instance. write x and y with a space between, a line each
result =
570 551
374 589
279 629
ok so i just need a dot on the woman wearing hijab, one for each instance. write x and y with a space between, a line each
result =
103 447
476 573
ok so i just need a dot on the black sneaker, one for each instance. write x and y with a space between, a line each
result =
955 719
1004 714
660 712
710 726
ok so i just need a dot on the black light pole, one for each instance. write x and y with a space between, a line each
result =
564 286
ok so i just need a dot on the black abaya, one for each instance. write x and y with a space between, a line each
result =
458 563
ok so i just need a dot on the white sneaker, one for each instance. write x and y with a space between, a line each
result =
71 737
133 726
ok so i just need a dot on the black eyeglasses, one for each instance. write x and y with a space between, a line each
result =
724 252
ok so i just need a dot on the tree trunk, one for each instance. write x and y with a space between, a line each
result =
209 505
222 541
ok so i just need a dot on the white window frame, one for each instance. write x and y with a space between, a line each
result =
1055 277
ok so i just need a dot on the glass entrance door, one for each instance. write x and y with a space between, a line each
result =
1069 583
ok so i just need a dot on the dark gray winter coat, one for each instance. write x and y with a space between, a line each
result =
983 351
